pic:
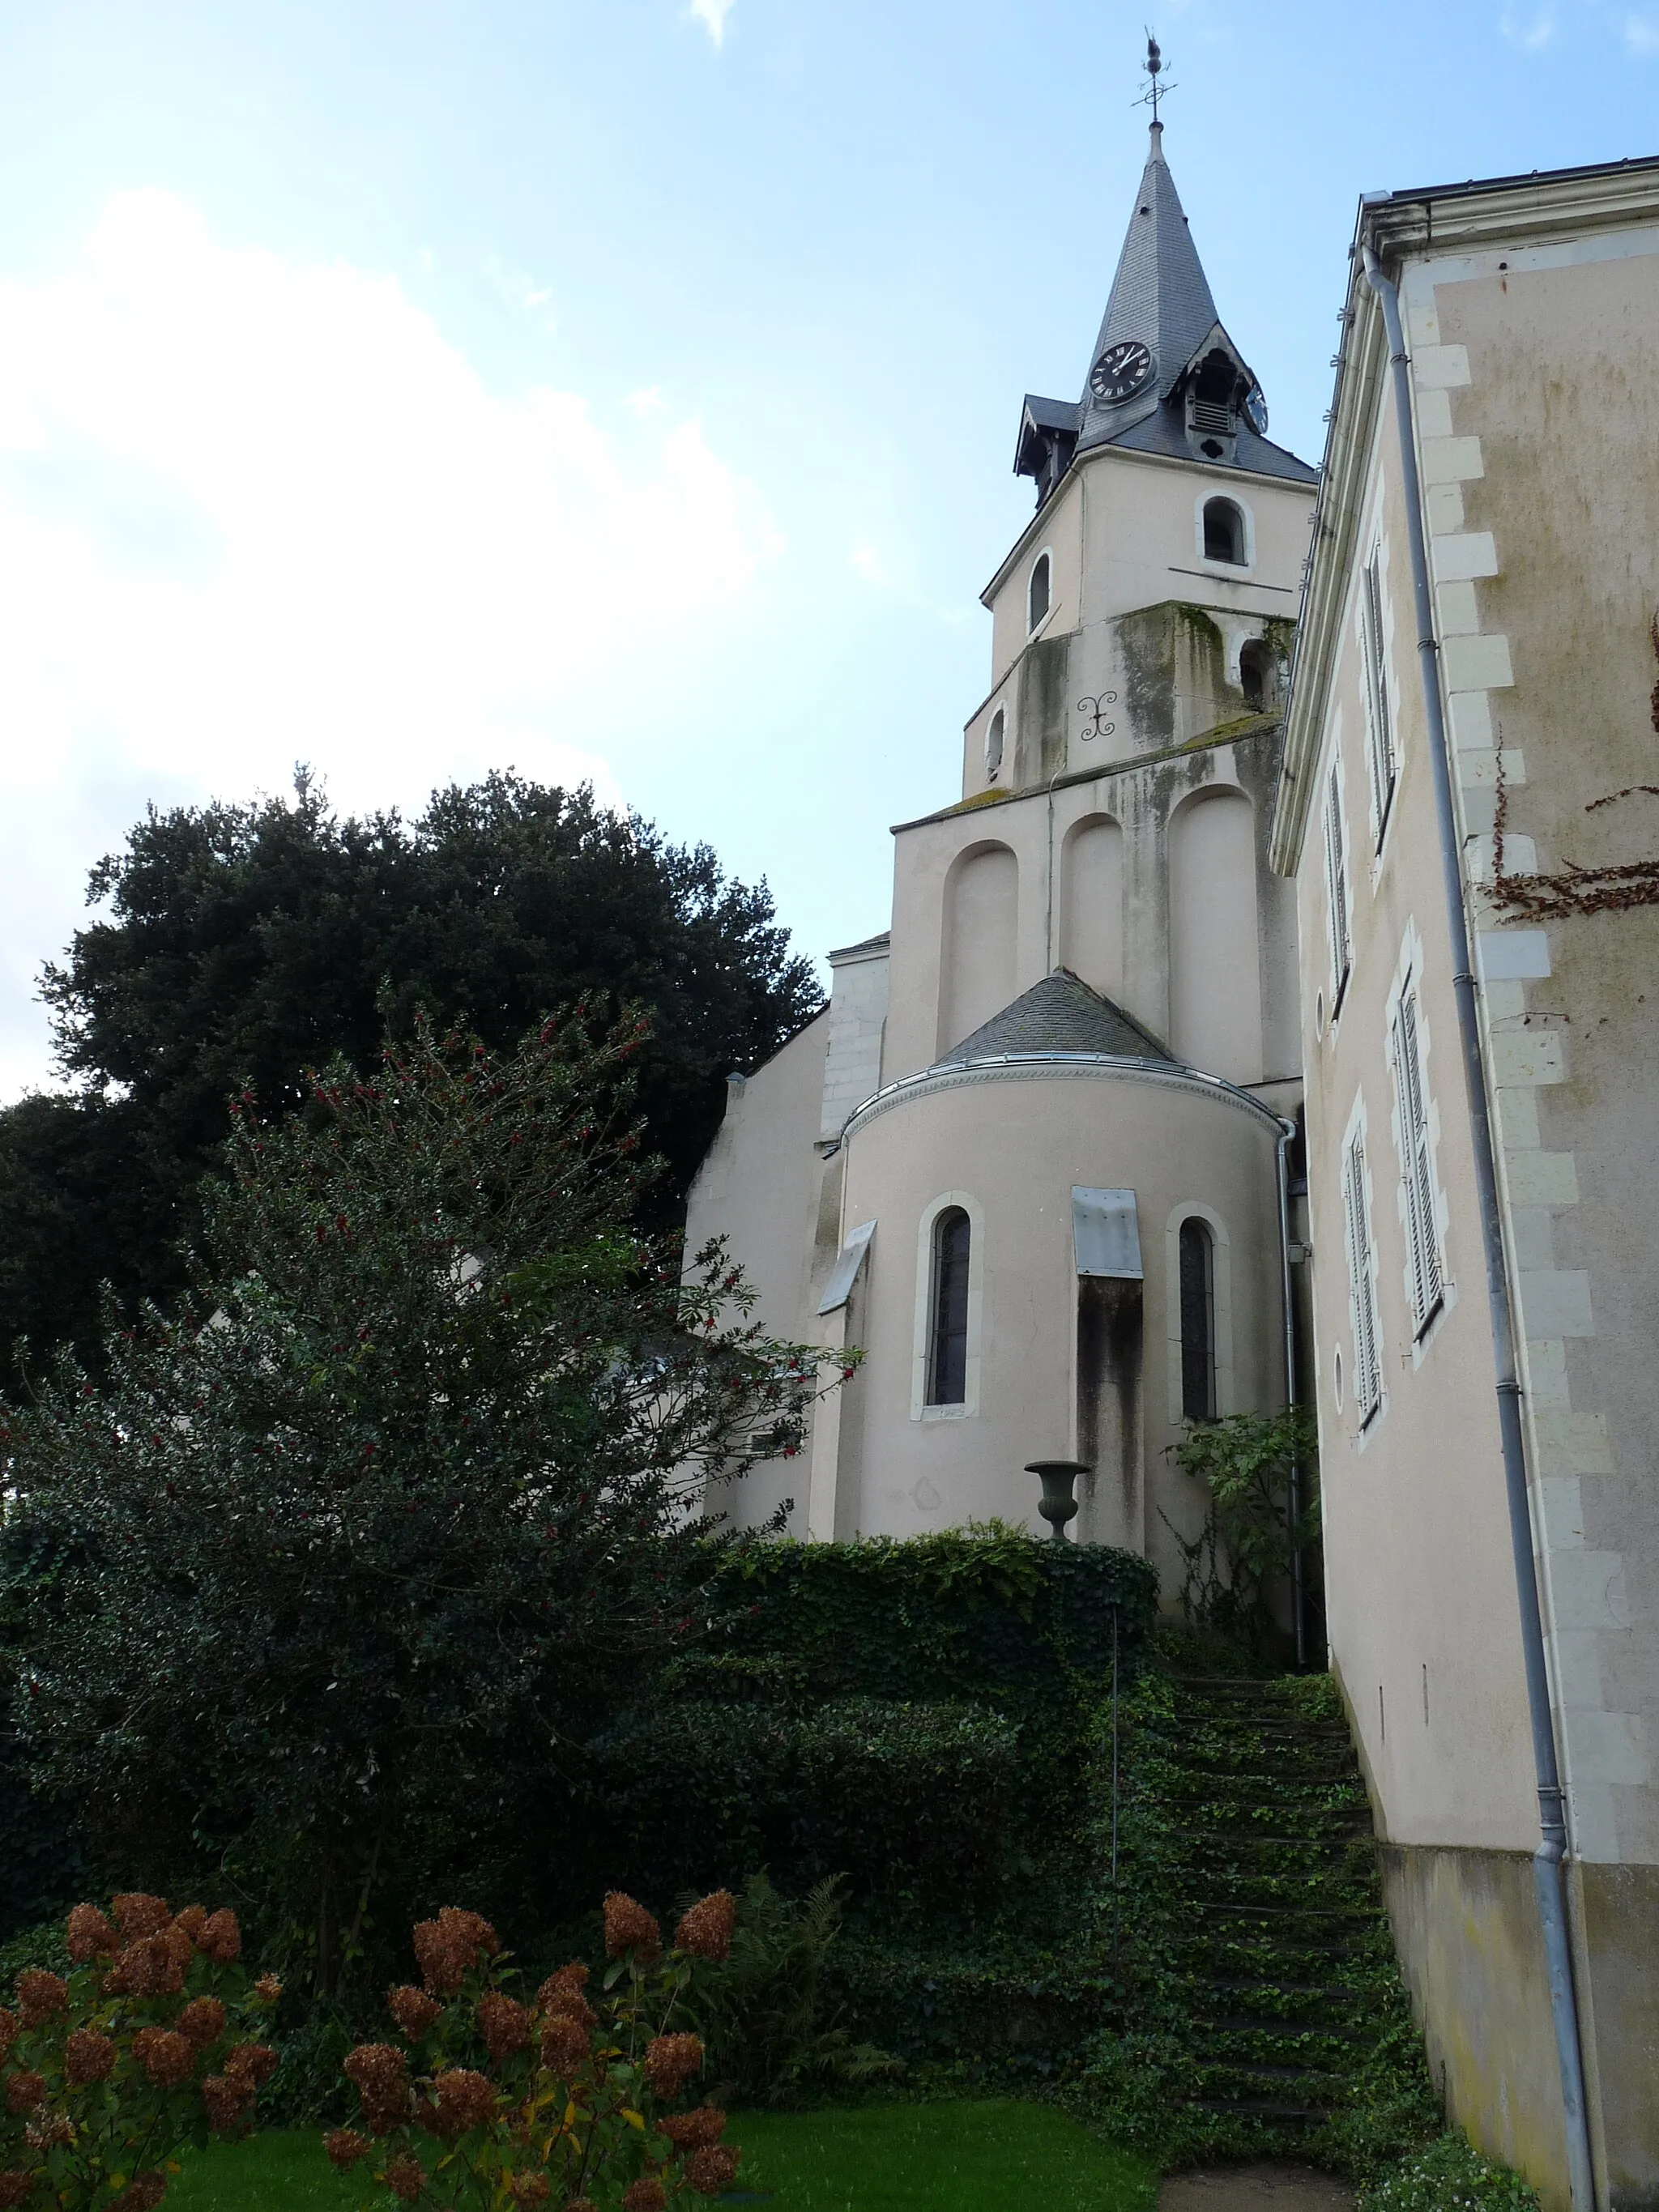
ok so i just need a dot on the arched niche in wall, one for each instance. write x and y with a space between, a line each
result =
1092 903
976 965
1215 982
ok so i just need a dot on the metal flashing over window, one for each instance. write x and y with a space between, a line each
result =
1106 1234
845 1272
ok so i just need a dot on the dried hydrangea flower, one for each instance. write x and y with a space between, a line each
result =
504 2024
143 2192
253 2063
91 1935
267 1989
645 2194
406 2178
167 2057
10 2028
705 1931
40 1995
669 2062
192 1920
463 2100
528 2190
413 2010
225 2099
88 2057
15 2187
345 2147
565 2043
221 1939
689 2131
203 2020
379 2074
26 2092
630 1927
48 2131
139 1914
713 2169
449 1946
570 1982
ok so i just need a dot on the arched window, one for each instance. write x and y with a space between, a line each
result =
947 1343
1037 592
1256 674
1197 1321
994 734
1224 532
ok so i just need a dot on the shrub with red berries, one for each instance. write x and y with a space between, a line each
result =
151 2042
575 2097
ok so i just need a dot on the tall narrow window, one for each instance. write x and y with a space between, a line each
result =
1379 724
1336 888
947 1350
996 730
1224 532
1038 592
1424 1280
1362 1289
1198 1393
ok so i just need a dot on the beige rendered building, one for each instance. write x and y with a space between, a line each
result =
1030 1157
1486 1352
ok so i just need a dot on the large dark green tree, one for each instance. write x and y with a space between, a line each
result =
245 943
378 1528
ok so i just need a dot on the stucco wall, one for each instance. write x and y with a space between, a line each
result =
760 1187
1009 1148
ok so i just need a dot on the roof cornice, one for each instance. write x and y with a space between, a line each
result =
1399 226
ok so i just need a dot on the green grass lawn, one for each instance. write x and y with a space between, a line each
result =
885 2158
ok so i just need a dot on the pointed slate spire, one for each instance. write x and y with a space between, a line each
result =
1164 377
1160 298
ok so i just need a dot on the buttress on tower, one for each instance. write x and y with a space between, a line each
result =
1028 1155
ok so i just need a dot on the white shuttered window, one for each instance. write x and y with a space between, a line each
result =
1425 1282
1336 887
1379 721
1362 1288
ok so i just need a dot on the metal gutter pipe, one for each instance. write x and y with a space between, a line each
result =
1293 1502
1548 1867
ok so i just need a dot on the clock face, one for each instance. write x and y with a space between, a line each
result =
1256 407
1121 371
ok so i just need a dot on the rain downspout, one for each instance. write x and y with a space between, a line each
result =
1293 1502
1548 1861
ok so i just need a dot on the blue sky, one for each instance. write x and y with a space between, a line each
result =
627 390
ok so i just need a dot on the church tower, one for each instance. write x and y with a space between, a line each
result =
1030 1156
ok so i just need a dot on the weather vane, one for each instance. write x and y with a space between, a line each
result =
1154 69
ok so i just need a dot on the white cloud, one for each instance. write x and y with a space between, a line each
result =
1531 28
1642 34
712 15
252 511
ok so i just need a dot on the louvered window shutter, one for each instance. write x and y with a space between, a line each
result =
1379 728
1367 1374
1336 889
1423 1250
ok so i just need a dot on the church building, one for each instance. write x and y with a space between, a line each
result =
1034 1155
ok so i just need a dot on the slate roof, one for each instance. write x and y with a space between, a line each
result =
1160 293
1059 1014
1161 296
1165 432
